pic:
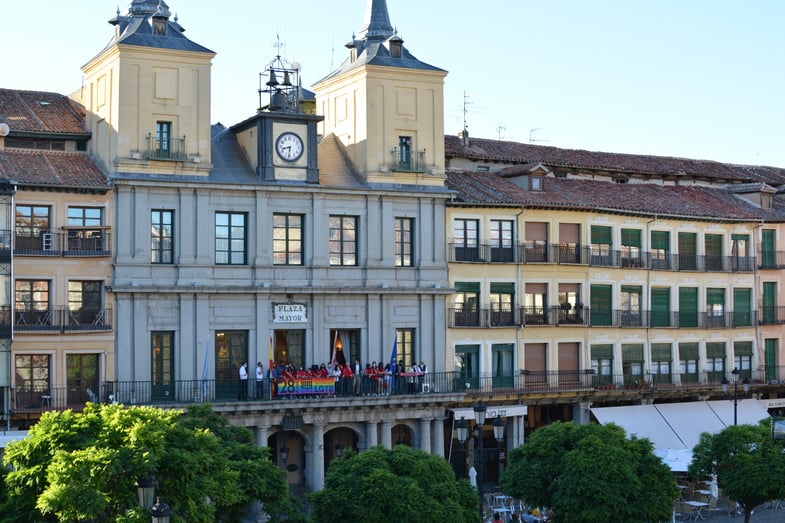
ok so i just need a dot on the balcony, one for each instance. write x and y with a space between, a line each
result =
771 315
548 253
73 242
404 160
172 150
63 320
485 317
5 245
768 260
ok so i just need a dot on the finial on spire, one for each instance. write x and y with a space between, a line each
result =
377 21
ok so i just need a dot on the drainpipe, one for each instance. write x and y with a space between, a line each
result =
648 295
755 294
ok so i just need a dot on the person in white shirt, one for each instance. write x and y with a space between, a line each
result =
243 381
259 380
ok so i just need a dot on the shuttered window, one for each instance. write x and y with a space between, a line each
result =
768 248
660 307
688 307
660 352
688 251
660 240
631 237
601 234
742 307
601 305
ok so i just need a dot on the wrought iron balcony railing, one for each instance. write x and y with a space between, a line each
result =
73 242
173 149
63 320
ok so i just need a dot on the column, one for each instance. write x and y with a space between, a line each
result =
370 434
438 436
260 433
316 466
425 434
386 434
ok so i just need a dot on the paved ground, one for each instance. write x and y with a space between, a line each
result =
760 515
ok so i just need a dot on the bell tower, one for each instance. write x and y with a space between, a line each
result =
386 106
147 95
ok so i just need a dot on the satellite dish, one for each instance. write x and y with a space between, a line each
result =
4 129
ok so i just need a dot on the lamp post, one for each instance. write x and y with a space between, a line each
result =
338 450
145 489
462 427
160 512
498 433
745 385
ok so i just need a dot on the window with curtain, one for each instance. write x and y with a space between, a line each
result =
740 252
467 364
570 243
502 360
630 303
715 307
535 246
534 303
502 299
632 363
602 364
631 248
661 360
467 308
688 362
660 249
742 358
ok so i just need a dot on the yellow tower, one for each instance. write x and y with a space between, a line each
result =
147 96
386 106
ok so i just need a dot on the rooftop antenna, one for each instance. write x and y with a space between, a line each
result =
531 135
499 129
466 104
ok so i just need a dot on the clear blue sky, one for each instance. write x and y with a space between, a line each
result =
696 79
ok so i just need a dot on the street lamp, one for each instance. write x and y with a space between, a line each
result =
498 433
745 385
160 512
338 450
145 489
284 454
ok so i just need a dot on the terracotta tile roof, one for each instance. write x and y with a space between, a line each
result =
51 169
697 202
41 112
481 149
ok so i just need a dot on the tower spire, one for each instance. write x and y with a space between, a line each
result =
377 21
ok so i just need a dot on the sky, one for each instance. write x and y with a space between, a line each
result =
698 79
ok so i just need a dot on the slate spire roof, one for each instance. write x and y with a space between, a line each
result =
372 46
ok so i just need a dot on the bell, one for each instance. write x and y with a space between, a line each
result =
273 81
286 80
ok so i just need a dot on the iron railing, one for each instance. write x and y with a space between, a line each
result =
173 149
549 253
408 161
63 320
73 242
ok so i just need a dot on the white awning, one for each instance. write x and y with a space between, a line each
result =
679 425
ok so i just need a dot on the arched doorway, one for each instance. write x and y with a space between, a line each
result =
288 452
336 442
402 435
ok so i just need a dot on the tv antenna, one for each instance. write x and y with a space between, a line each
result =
532 139
466 104
499 129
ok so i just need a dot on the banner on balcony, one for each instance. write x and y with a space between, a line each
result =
306 386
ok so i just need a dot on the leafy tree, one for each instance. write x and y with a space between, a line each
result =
591 473
394 485
748 465
83 466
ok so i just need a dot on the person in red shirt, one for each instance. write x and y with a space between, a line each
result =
347 377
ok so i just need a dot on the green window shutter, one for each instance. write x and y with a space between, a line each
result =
688 351
602 352
502 288
600 304
742 307
770 358
688 307
631 237
661 352
713 244
768 248
660 240
631 353
633 289
467 348
467 286
601 234
715 296
660 307
769 302
742 348
745 237
687 243
715 350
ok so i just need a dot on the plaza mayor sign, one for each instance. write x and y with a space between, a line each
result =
290 313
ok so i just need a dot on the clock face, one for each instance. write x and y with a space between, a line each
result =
289 146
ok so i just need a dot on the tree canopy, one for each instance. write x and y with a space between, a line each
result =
401 484
84 466
748 465
591 473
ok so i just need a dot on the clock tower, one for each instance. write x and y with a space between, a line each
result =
280 140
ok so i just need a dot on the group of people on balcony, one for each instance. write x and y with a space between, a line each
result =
374 379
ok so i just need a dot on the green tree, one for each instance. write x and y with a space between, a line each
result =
83 466
394 485
748 465
591 473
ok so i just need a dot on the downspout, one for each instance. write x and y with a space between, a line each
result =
755 294
520 428
648 293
